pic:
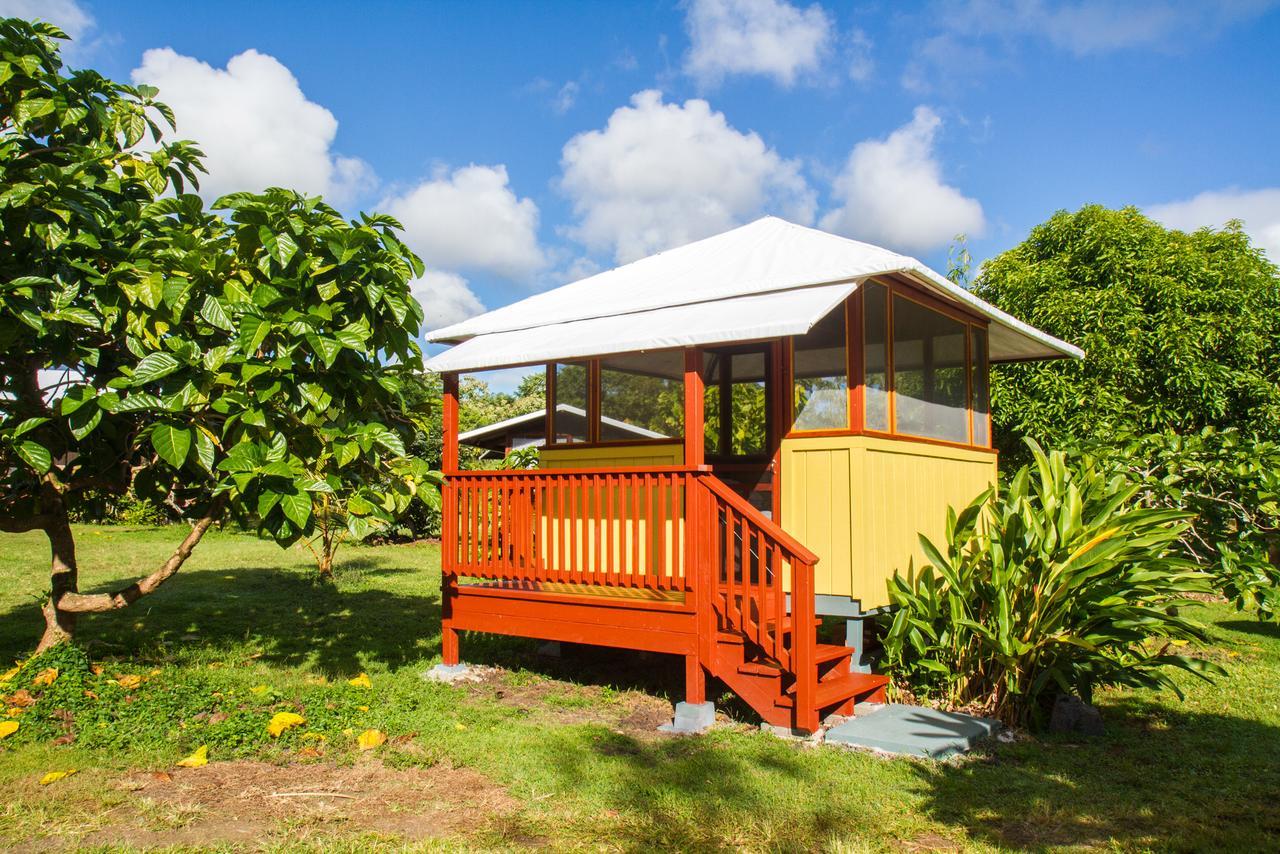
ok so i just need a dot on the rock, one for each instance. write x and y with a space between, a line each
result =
1071 714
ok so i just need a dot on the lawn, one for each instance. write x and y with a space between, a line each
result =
557 752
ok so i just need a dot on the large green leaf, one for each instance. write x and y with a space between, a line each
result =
172 443
296 507
153 366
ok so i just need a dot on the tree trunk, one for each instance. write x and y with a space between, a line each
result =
64 576
325 564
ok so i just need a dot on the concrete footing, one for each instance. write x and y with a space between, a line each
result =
448 673
691 718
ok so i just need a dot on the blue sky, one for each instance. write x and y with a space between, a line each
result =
527 144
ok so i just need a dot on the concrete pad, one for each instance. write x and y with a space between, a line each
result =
691 718
914 731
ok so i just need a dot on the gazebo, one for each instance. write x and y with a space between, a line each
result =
815 403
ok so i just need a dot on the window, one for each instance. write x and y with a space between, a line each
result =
569 419
929 373
821 384
736 404
875 350
642 396
979 387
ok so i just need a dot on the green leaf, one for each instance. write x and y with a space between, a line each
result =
152 367
28 425
35 455
205 450
172 443
296 507
212 312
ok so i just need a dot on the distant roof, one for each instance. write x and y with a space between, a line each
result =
540 416
755 281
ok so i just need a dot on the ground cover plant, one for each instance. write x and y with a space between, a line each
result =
542 751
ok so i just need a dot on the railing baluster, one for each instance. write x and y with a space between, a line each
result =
634 494
660 553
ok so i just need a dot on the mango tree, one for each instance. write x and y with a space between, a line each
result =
237 361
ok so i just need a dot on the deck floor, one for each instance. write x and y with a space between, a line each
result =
643 594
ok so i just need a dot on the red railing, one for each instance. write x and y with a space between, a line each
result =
624 527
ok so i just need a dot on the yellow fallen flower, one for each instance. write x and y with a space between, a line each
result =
361 681
313 736
260 689
9 674
129 681
199 759
282 721
8 728
55 776
362 708
371 738
46 676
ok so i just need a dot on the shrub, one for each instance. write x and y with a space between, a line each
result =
1064 583
1229 484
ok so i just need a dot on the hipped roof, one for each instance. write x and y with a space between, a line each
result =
767 279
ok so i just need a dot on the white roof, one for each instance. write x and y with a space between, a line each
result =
767 279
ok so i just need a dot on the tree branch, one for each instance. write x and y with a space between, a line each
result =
22 524
84 603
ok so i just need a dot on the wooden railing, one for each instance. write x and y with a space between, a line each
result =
661 527
623 527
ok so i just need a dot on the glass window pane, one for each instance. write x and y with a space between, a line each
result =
981 387
642 396
929 381
821 376
711 378
570 417
875 358
749 426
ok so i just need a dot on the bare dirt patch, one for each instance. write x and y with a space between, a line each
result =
252 803
634 713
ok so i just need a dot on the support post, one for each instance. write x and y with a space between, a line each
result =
693 395
449 425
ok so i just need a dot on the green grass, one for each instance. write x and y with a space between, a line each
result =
1169 775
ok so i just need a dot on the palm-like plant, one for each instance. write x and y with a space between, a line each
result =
1064 583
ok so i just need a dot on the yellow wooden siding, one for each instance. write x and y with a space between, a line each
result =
638 543
860 503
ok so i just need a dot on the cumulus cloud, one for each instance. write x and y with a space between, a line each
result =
254 124
446 299
660 175
470 219
1259 210
891 192
771 38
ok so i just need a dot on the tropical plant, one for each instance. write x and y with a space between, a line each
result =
1062 583
241 363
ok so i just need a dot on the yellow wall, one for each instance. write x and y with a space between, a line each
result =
606 456
860 502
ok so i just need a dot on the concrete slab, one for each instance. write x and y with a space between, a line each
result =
913 731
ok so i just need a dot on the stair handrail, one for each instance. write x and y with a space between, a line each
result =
772 528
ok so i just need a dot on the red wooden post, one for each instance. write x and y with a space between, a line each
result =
693 394
449 459
449 551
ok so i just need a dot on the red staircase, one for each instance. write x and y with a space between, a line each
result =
764 644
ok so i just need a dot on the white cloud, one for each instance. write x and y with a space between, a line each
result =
766 37
861 63
566 97
660 175
891 192
68 15
1259 210
254 124
446 299
471 220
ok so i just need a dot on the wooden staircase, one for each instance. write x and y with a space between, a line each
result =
765 650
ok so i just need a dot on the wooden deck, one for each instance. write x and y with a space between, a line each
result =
664 559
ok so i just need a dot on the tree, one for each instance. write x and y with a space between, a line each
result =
1181 331
1180 384
237 364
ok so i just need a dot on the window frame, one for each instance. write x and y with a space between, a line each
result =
593 409
849 423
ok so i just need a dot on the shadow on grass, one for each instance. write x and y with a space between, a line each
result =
1161 777
1265 628
281 617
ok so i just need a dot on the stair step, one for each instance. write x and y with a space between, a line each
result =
838 690
759 668
832 652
